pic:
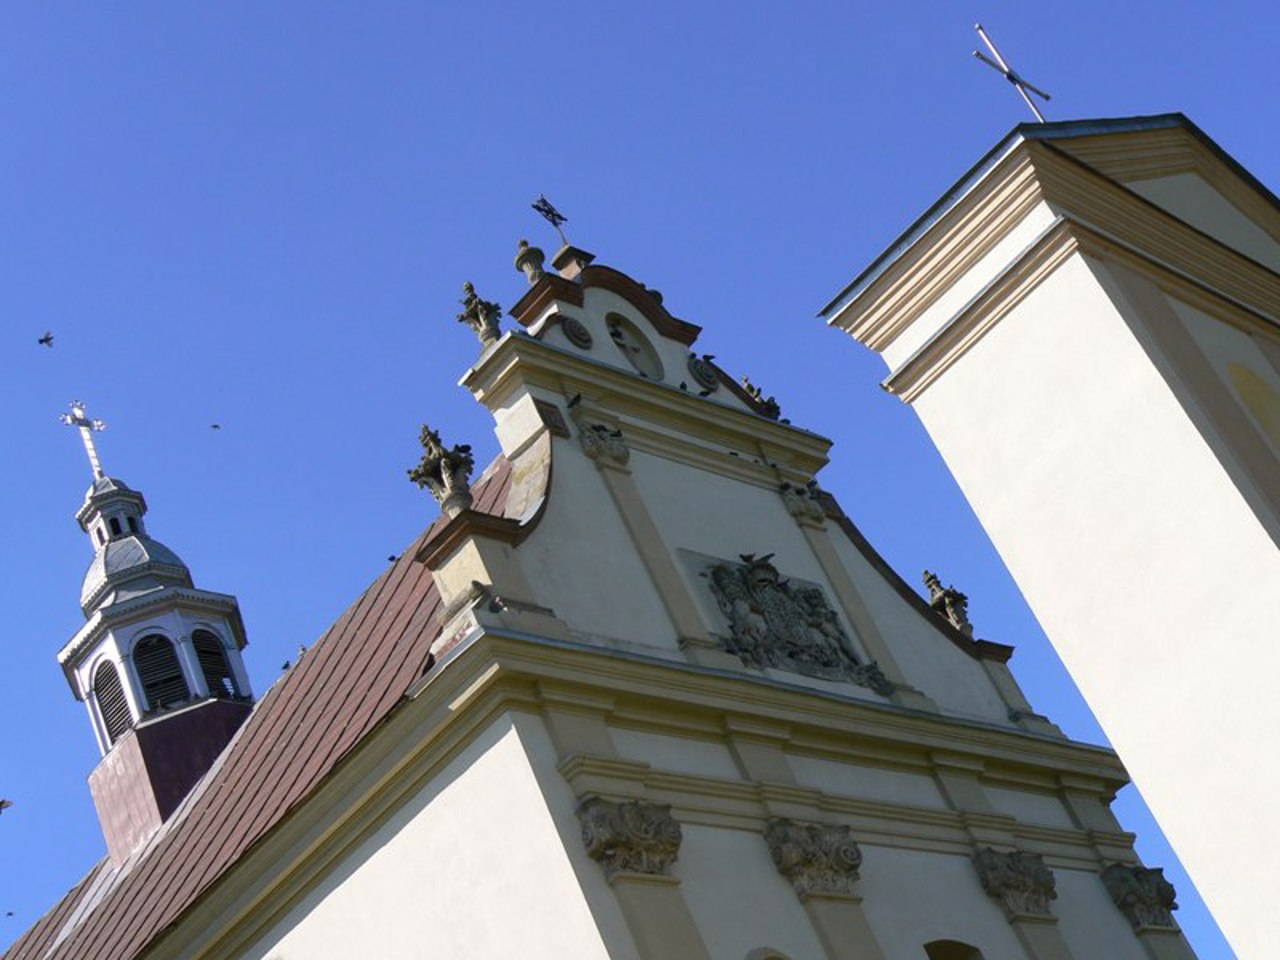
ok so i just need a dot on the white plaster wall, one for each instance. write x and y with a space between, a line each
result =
1223 345
471 867
867 782
706 513
737 897
1147 569
912 898
1089 920
581 561
1189 198
931 662
967 286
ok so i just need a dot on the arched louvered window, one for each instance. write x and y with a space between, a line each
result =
951 950
214 665
111 702
160 673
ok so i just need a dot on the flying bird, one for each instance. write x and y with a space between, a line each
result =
5 805
392 558
46 340
215 426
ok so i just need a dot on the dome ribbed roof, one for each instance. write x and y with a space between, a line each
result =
130 558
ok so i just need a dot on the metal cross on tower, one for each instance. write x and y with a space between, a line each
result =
77 418
1002 66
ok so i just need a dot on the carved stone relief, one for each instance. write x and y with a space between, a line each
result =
1019 881
600 442
480 315
818 859
630 837
445 472
786 624
576 332
949 603
704 373
1142 894
802 500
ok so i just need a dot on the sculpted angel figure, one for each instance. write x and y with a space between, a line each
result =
480 315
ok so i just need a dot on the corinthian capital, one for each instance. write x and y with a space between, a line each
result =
818 859
630 837
1020 881
1142 894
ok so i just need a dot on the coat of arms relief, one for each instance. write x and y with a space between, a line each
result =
785 624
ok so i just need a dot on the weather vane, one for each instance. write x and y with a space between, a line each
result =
552 216
77 418
1002 66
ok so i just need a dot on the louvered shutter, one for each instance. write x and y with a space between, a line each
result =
111 701
213 664
160 673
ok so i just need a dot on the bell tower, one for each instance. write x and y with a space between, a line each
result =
157 662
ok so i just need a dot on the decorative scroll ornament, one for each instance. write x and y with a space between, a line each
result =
576 332
818 859
447 473
529 260
949 602
1020 881
802 500
630 837
600 442
765 406
704 372
778 623
480 315
1142 894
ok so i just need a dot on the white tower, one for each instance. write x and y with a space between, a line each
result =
157 662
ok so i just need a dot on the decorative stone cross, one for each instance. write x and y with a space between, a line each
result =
77 418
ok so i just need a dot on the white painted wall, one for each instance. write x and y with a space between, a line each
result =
472 867
1143 562
1189 198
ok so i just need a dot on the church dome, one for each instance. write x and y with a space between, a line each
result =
130 566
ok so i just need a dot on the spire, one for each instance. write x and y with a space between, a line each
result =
77 418
157 662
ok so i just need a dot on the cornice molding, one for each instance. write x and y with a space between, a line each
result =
496 674
1089 203
656 417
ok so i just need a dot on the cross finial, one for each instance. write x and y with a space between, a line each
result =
77 418
1001 65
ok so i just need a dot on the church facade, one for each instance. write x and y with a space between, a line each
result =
1104 298
641 691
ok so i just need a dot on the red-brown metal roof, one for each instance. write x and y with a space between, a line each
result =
305 724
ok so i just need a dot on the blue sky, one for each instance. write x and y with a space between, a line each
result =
261 215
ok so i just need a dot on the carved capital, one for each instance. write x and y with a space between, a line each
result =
802 500
604 444
630 837
818 859
1019 881
1142 894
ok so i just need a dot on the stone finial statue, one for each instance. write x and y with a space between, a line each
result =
530 259
949 603
480 315
447 473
